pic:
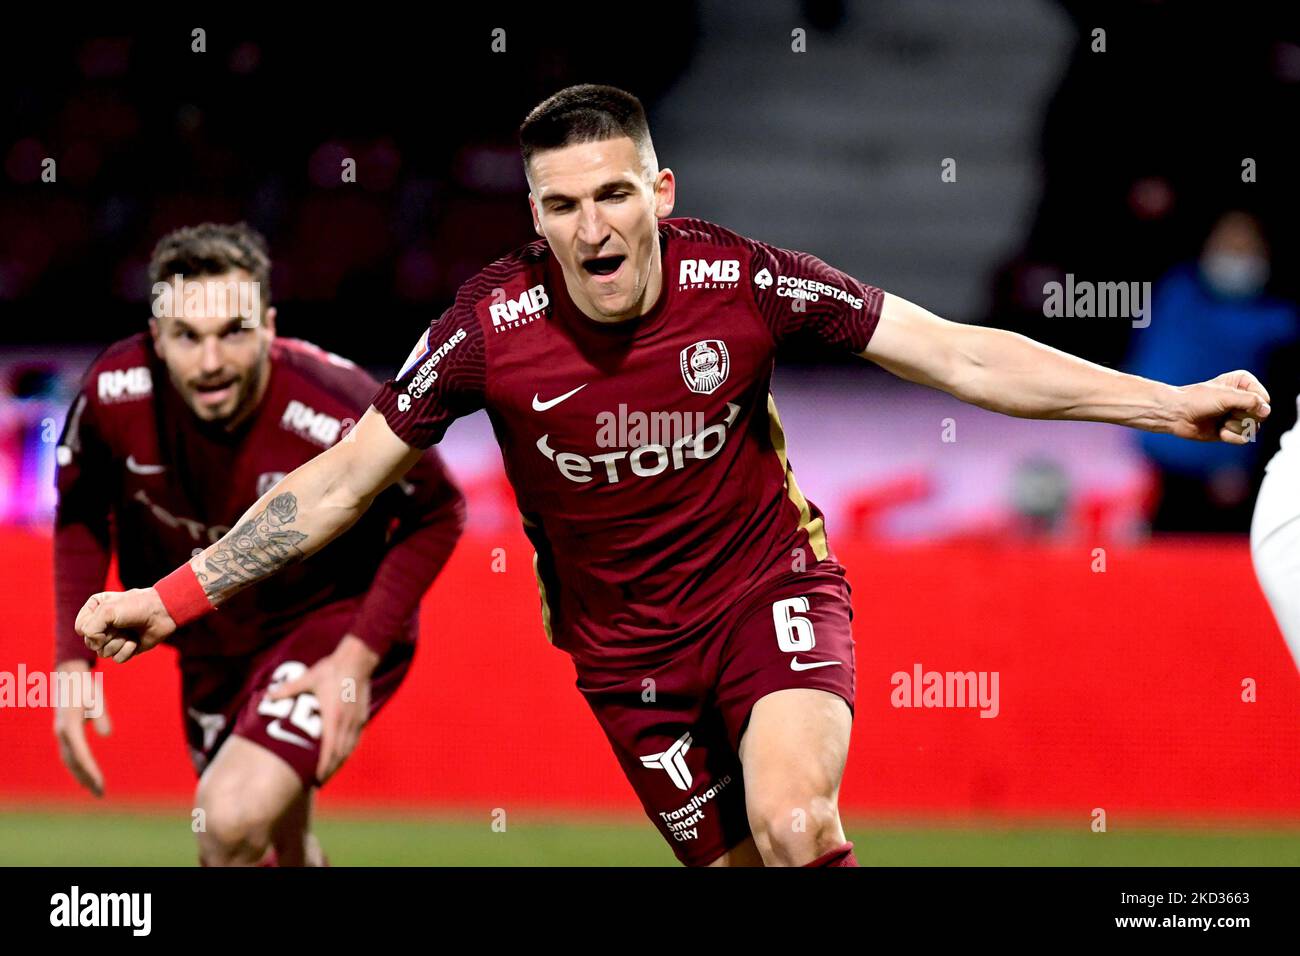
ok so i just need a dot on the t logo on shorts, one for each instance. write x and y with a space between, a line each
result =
673 762
211 725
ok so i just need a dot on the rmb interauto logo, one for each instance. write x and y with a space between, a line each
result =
708 274
510 313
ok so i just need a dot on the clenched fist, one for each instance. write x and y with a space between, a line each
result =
121 624
1226 408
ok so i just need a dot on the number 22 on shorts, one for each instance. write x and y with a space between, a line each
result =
302 711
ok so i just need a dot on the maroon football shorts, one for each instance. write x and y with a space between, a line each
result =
224 695
678 738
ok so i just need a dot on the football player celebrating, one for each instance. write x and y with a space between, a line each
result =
679 564
172 434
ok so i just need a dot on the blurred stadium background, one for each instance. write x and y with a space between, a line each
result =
1120 690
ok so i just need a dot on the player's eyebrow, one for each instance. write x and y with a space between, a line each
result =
181 326
603 190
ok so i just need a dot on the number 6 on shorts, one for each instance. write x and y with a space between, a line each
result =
793 631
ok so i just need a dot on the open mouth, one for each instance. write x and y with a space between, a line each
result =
215 386
603 265
215 391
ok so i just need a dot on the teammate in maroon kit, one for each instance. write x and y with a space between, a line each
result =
166 443
625 364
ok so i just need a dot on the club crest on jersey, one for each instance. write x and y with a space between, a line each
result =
705 365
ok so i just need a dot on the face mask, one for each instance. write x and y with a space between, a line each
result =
1234 274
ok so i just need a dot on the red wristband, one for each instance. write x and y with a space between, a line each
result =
183 596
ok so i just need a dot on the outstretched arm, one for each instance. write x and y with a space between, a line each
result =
1009 373
307 509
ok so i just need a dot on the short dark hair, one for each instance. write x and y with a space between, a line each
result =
584 114
211 249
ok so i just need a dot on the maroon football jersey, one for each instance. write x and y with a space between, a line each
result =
135 458
647 456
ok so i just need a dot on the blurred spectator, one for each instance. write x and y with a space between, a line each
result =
147 133
1210 316
1040 498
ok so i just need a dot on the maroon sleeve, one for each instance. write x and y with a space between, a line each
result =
82 529
442 379
431 515
797 292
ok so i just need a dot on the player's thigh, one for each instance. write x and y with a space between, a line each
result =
246 790
785 687
796 634
291 727
795 747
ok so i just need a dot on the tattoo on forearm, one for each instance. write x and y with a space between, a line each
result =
256 549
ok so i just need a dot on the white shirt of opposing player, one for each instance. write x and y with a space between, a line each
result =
1275 537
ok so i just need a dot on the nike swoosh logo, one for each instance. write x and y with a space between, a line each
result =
796 665
139 469
541 406
279 733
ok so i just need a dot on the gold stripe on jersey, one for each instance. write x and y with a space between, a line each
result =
814 527
541 588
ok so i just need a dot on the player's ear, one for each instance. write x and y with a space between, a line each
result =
268 320
537 224
665 193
